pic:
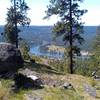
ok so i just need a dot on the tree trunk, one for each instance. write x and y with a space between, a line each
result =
71 41
15 22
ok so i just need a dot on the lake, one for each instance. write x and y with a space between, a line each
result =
39 34
35 50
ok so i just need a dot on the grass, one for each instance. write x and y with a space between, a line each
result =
61 94
50 92
58 94
5 89
50 76
41 68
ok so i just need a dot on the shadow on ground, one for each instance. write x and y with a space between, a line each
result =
41 68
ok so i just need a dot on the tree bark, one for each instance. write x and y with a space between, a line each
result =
71 40
15 22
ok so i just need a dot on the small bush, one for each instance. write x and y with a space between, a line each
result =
84 67
24 47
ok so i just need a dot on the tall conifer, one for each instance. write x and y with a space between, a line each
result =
17 15
69 25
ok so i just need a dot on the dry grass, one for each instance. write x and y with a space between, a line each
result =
53 93
78 82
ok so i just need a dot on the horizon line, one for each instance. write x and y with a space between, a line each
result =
50 25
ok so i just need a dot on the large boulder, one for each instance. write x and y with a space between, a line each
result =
31 81
10 58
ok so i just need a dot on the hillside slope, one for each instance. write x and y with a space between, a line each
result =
83 88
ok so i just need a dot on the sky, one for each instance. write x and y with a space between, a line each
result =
38 8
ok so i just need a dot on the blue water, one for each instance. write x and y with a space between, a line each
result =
35 50
38 34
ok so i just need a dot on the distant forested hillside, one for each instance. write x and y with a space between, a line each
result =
38 34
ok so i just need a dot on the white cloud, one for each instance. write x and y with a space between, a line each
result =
92 17
37 12
3 11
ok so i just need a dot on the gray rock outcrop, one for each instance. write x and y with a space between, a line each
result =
23 81
10 58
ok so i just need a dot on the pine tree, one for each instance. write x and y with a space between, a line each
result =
69 26
17 15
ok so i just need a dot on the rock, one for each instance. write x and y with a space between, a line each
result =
33 77
28 72
67 86
27 81
37 98
36 80
10 58
90 90
93 73
31 97
95 76
6 75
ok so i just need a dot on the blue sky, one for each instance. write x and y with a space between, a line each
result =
38 7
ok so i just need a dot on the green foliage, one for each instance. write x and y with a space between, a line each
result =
17 14
96 49
86 67
24 46
69 26
83 67
10 33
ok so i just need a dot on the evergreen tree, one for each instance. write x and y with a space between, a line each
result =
10 33
69 26
17 14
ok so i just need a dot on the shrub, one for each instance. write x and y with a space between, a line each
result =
84 67
24 47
